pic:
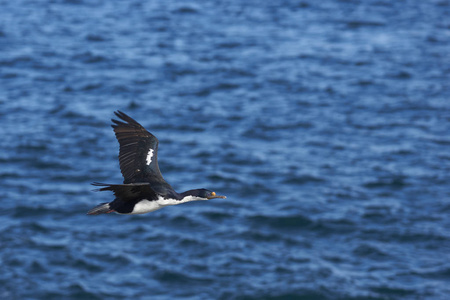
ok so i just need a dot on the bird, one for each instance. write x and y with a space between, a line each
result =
143 189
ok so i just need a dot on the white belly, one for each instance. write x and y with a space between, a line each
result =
145 206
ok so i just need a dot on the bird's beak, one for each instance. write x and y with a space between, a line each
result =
213 195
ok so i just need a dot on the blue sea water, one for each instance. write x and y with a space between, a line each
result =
326 124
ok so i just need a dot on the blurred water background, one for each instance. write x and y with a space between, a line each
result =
326 123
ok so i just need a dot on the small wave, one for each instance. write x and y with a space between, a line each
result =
240 159
264 174
10 175
413 236
229 45
392 182
379 212
267 237
34 146
206 91
286 125
91 86
45 165
15 61
401 75
335 226
37 227
8 75
441 272
299 295
87 265
185 221
21 211
90 58
95 37
37 267
258 133
432 238
364 23
78 291
393 291
49 244
365 82
281 222
186 242
370 251
119 259
175 277
440 140
216 215
187 9
223 179
303 179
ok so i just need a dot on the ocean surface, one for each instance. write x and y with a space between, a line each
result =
325 123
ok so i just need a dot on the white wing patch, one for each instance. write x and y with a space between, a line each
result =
149 156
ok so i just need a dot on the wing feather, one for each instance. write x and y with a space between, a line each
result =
135 143
128 192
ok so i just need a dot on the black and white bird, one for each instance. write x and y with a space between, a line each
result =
143 189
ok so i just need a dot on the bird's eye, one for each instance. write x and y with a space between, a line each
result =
213 193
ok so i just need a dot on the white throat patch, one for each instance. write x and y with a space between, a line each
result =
149 156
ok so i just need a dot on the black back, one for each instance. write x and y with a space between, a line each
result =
127 195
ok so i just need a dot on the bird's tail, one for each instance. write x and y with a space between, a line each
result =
100 209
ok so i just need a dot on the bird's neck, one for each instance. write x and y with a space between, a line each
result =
187 194
191 195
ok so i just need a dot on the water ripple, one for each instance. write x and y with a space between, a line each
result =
324 123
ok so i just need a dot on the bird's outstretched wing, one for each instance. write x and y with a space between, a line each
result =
138 154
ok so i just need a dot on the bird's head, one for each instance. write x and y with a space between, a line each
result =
202 194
